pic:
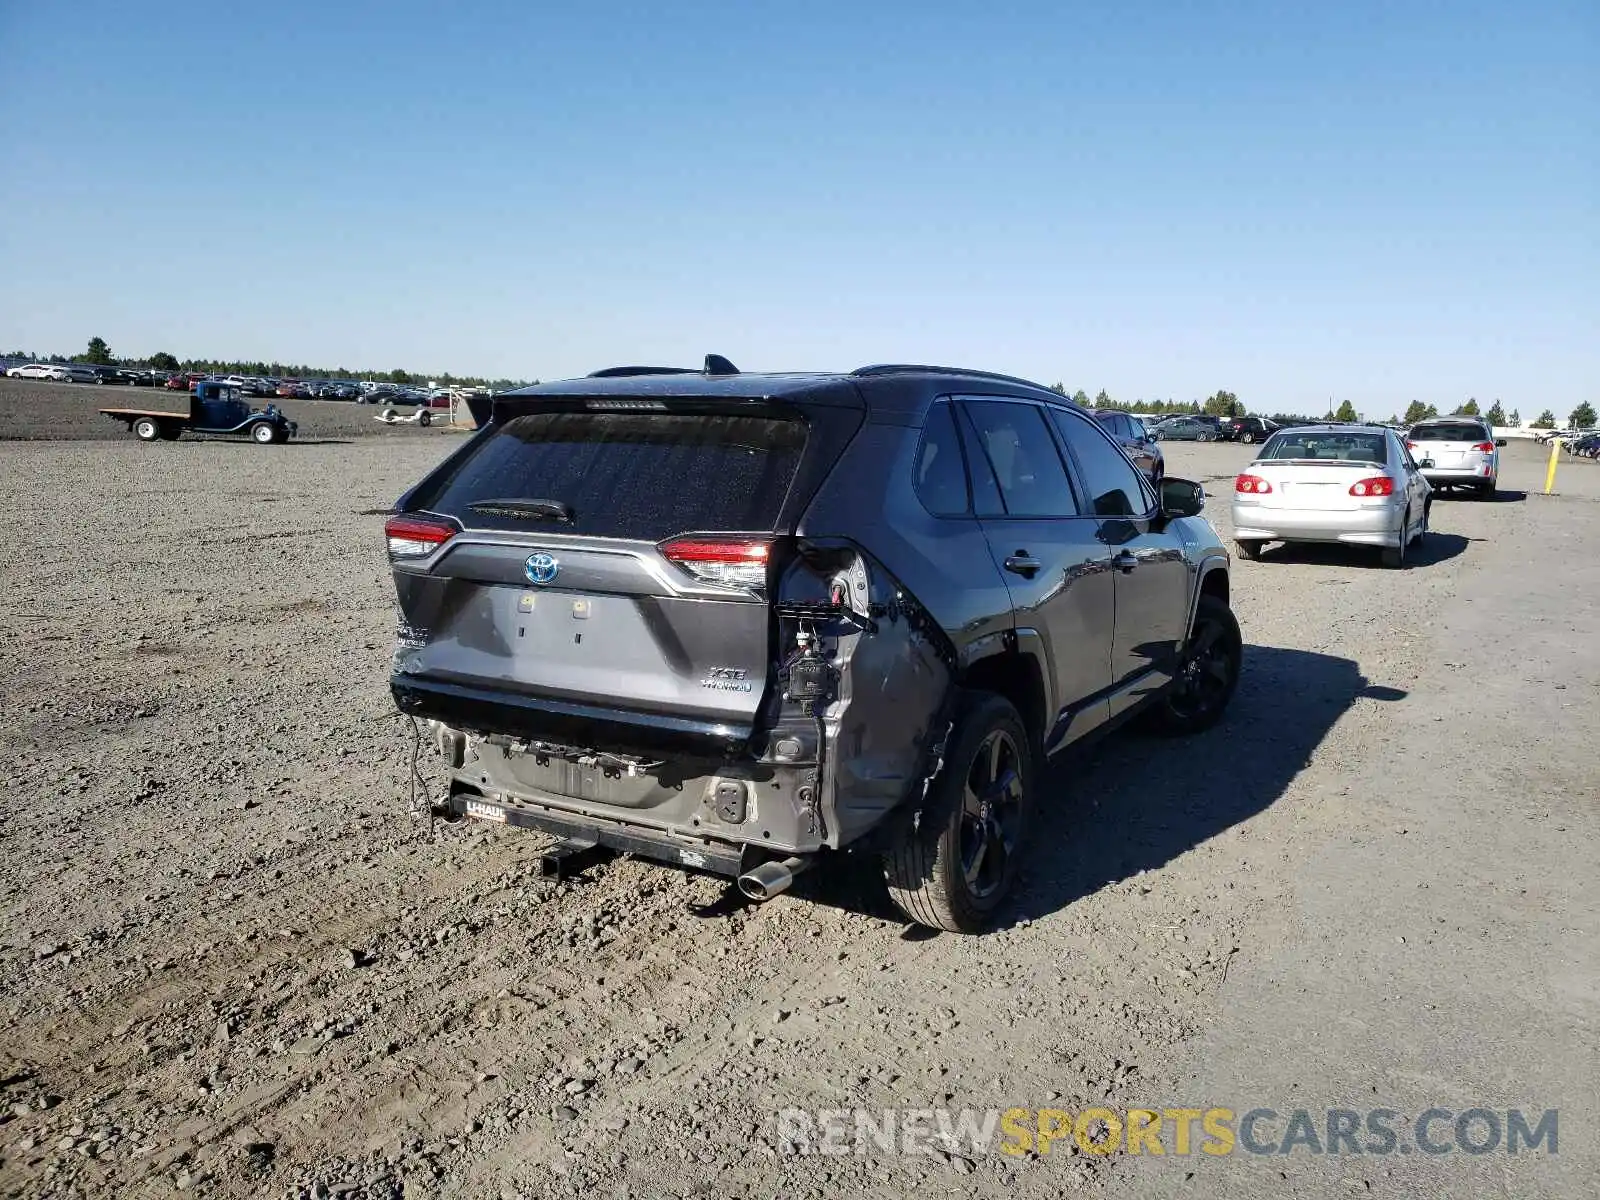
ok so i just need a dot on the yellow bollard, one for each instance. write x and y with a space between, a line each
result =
1555 457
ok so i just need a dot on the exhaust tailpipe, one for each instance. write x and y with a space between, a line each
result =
770 878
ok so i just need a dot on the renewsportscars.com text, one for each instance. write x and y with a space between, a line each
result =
1214 1131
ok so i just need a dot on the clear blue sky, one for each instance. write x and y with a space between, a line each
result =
1373 201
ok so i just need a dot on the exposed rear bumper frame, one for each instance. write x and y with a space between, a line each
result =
585 835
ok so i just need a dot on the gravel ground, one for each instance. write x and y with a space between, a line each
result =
233 964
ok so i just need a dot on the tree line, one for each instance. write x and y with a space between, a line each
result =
1226 404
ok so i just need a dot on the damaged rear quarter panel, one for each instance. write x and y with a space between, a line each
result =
885 721
892 687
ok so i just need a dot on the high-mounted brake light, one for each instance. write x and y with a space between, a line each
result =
416 537
625 406
737 562
1378 485
1252 484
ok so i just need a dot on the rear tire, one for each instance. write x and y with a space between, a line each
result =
1249 439
1394 557
1250 550
1487 492
1208 675
146 430
953 869
425 419
1427 519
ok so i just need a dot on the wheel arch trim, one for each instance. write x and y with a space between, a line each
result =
1208 566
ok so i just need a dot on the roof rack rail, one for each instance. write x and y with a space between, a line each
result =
921 368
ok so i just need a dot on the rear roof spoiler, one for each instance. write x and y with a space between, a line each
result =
715 364
482 407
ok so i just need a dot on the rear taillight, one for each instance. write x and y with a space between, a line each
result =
737 562
1484 447
1411 445
1252 484
416 537
1378 485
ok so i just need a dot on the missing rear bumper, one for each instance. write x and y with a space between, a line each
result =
580 838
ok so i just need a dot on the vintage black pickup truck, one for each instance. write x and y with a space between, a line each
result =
216 410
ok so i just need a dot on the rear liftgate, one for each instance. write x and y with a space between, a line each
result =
732 702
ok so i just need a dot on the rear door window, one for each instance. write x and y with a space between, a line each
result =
1017 445
629 474
986 500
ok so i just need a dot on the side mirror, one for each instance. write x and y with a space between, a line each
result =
1181 498
1499 441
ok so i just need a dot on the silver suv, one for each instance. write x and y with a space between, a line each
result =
1457 452
745 622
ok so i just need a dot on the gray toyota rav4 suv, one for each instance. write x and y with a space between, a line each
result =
745 622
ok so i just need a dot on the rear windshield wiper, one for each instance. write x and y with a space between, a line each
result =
526 510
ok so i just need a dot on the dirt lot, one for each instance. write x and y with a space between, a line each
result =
232 964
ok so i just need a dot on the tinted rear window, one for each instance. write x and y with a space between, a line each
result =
1464 432
1328 446
631 475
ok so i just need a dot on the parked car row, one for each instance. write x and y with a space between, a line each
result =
84 373
1185 429
397 395
247 385
1584 446
1248 430
1569 438
335 389
293 389
1202 427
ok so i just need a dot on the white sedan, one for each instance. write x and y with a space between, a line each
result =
52 371
1352 484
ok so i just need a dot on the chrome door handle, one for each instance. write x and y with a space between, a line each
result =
1125 562
1022 563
